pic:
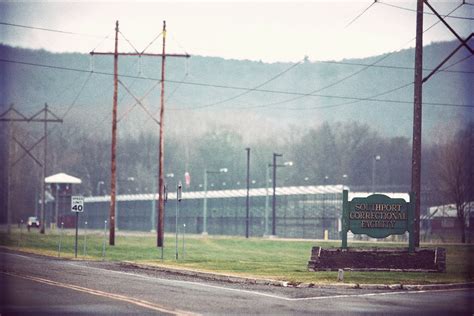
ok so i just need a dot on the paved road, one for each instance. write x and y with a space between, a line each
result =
38 285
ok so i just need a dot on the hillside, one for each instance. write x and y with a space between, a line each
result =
196 104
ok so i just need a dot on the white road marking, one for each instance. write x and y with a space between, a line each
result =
329 297
271 295
118 297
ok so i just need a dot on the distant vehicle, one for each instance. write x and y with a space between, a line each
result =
33 222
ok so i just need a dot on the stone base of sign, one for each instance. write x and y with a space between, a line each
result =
378 259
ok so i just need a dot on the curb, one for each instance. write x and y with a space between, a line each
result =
247 280
258 281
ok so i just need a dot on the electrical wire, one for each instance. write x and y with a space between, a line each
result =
366 66
77 96
139 102
390 67
101 42
48 29
125 114
375 95
129 43
199 84
429 13
252 89
360 14
151 43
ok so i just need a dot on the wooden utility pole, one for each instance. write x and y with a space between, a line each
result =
161 180
417 107
113 165
113 176
417 111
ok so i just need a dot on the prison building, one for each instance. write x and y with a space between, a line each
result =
301 212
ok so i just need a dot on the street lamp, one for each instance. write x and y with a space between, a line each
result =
99 187
344 178
247 200
204 209
376 158
267 181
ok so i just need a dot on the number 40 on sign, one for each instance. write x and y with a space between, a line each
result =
77 204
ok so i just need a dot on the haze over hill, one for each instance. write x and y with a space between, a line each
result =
210 91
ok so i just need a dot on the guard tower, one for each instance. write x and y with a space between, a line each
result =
62 189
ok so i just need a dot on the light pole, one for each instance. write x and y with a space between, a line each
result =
204 208
179 188
247 201
267 179
99 187
344 179
376 158
274 165
326 178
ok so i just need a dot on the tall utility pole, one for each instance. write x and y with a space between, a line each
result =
247 202
113 165
417 107
33 118
161 180
417 111
113 176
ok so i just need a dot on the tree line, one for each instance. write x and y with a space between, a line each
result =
348 153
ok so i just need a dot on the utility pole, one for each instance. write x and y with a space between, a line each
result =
34 118
417 111
247 203
161 189
113 165
161 180
275 155
417 106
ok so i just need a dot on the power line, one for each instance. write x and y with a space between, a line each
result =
429 13
129 43
376 95
252 89
77 96
390 67
151 43
201 84
360 14
48 29
366 66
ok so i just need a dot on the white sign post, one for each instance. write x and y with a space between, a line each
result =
77 206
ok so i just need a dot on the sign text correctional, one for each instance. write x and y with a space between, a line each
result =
377 216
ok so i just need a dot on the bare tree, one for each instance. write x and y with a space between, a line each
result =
455 174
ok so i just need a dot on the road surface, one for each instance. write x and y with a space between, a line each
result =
37 285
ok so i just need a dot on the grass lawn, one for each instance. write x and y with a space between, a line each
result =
256 257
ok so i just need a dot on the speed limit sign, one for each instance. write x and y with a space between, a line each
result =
77 203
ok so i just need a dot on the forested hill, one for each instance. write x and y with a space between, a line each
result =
211 91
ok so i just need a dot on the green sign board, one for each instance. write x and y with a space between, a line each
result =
377 216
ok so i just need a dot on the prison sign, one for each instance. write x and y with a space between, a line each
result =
377 216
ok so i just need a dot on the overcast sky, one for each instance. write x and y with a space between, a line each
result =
258 30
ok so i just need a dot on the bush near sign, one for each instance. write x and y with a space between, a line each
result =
378 216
